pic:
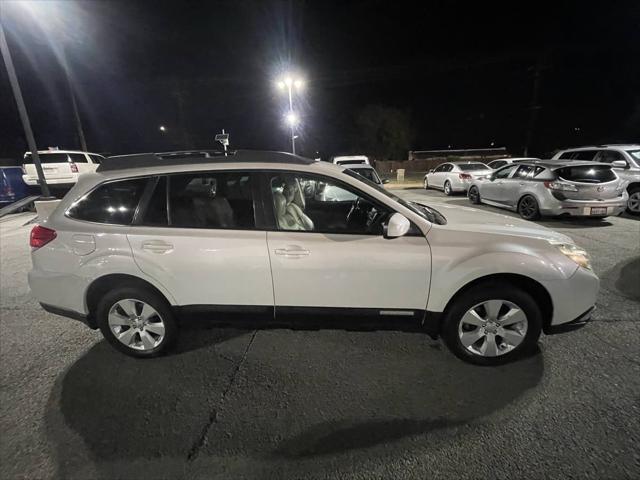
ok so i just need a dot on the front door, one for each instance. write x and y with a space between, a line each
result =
493 188
205 247
329 255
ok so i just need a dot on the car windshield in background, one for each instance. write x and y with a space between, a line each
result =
587 173
472 166
425 212
368 173
48 158
634 153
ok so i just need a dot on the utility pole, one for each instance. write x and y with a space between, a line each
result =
22 110
534 108
74 104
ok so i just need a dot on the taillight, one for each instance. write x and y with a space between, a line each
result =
40 236
464 176
74 167
562 186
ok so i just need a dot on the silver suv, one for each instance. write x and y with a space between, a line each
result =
625 159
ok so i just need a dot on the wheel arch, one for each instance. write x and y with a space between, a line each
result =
633 186
527 284
100 286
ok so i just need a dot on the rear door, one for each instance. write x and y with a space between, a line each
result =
200 236
512 186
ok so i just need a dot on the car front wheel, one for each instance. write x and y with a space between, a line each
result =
492 324
138 322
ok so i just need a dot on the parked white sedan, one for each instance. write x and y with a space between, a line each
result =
454 177
154 238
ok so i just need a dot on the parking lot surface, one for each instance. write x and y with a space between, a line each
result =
323 404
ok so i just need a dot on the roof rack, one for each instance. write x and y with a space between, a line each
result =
194 157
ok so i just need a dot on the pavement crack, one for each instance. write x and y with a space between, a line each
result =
195 449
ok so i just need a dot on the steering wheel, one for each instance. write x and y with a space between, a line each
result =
363 215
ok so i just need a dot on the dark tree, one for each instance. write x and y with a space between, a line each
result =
384 132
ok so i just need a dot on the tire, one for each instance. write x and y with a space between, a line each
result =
474 195
447 189
426 183
145 333
520 337
633 204
528 208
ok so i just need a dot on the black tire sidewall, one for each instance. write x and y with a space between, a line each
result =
536 214
148 296
475 201
482 293
450 192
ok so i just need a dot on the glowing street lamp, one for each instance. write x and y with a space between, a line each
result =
163 129
292 119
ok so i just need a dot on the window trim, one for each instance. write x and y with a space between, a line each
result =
414 231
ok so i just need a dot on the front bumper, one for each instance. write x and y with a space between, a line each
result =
583 208
573 299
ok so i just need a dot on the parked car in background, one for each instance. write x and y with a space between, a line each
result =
368 172
453 177
625 160
12 187
501 162
351 160
553 188
148 239
61 168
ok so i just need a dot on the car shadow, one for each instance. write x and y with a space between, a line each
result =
303 394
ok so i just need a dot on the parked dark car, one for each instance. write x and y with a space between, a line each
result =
12 187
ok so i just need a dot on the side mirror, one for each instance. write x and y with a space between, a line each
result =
619 164
385 180
397 226
430 171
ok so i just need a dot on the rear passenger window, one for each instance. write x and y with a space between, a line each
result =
211 200
113 202
96 159
78 158
585 155
566 155
524 171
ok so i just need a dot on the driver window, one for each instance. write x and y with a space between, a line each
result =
505 172
320 204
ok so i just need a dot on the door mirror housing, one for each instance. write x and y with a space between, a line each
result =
430 171
385 180
397 226
619 164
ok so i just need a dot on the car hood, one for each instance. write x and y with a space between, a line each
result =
469 219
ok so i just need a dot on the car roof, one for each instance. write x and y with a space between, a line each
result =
361 166
620 146
124 166
46 152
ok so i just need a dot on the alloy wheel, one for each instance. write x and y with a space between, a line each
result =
528 207
492 328
447 188
136 324
634 202
474 195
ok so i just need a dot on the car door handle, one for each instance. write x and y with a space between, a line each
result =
157 246
292 251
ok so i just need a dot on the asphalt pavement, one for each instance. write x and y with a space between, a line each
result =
322 404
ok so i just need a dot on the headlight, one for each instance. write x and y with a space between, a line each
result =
575 253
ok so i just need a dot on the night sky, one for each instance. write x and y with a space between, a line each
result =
464 72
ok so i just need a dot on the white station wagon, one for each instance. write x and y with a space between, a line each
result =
152 241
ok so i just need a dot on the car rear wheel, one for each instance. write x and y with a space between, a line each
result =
474 195
136 321
528 208
447 188
492 324
633 204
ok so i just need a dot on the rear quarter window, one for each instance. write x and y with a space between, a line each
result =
587 173
111 203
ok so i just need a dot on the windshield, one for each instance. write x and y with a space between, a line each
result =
634 153
428 213
472 166
368 173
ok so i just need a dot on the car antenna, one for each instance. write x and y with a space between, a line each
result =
223 138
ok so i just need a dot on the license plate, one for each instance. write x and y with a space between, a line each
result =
598 210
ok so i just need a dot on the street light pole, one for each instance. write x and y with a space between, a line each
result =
22 110
293 137
74 104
